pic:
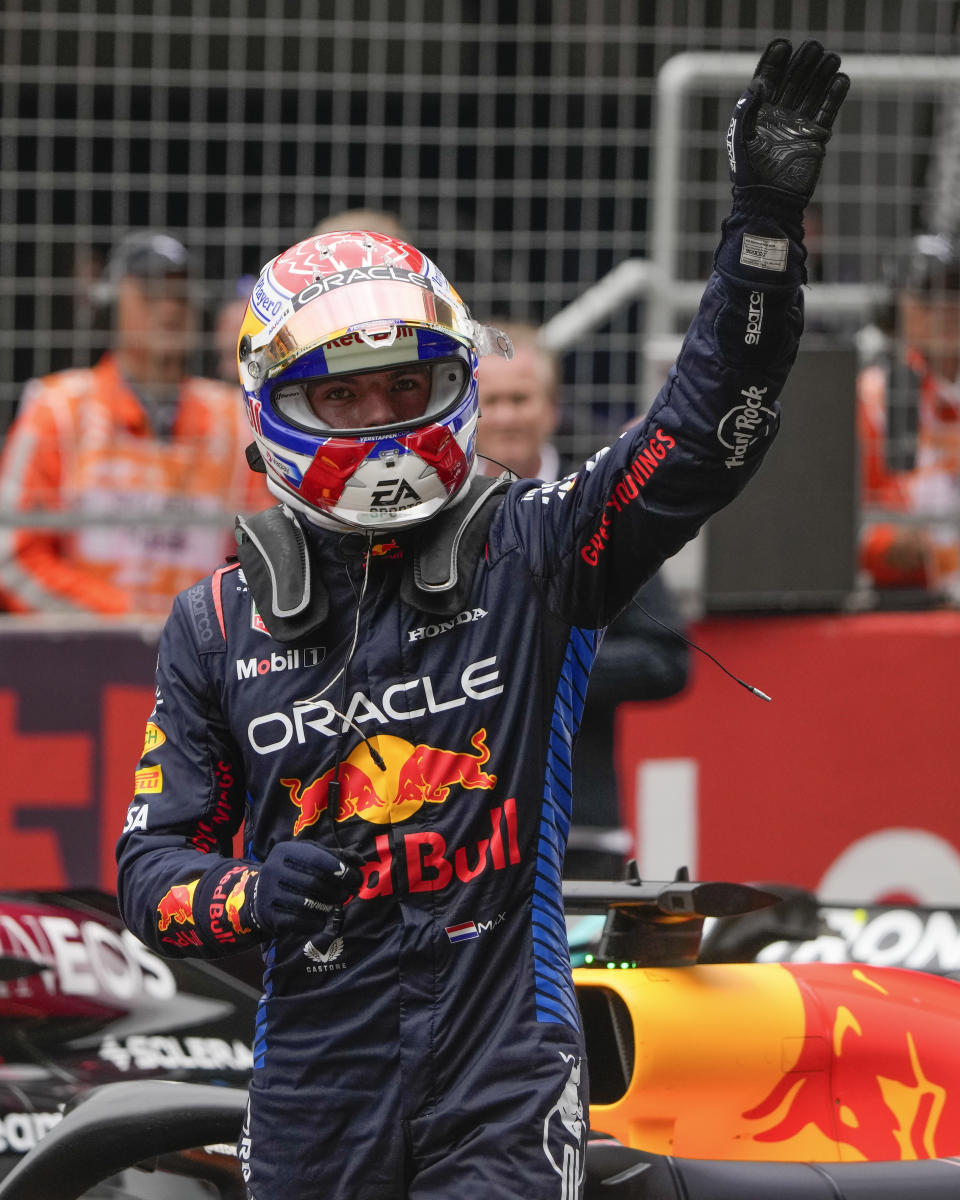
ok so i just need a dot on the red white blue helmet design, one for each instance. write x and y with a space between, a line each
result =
341 304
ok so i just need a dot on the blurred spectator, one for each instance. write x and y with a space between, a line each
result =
378 220
912 397
638 658
226 329
137 461
519 407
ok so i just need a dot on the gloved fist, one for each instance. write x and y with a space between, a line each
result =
299 885
781 125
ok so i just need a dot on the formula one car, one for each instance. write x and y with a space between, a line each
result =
717 1079
83 1003
709 1080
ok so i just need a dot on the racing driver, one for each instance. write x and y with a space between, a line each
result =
384 691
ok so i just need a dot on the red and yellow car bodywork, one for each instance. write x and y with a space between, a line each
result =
783 1062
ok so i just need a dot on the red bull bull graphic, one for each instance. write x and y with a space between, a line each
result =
875 1080
414 775
812 1062
235 899
176 906
226 902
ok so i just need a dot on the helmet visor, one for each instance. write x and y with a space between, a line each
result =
362 306
377 398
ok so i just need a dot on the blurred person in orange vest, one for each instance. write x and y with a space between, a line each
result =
638 659
134 437
913 397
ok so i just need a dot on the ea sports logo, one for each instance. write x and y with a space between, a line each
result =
393 493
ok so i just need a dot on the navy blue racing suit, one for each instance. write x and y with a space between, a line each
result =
434 1047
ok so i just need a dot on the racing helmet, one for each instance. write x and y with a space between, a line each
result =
346 305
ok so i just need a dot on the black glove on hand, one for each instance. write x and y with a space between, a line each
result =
775 142
781 125
299 885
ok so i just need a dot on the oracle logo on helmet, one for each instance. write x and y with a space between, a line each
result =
357 275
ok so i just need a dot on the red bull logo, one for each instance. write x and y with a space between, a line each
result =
870 1073
176 905
414 775
430 864
234 902
383 549
226 901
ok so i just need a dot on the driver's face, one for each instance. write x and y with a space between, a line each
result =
371 398
154 325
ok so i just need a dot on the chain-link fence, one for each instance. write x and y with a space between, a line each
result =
515 142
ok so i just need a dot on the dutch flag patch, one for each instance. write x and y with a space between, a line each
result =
463 932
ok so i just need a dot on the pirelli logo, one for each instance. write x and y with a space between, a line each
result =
147 781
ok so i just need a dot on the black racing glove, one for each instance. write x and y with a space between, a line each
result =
299 885
776 141
780 127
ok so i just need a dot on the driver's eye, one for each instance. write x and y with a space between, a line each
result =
337 393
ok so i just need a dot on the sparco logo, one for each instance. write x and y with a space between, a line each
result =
745 424
754 319
201 614
462 618
731 153
731 135
309 656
